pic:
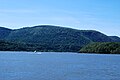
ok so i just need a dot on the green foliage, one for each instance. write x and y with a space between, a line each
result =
115 38
50 38
4 32
96 36
8 46
102 47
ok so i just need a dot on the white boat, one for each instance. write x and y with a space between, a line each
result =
35 51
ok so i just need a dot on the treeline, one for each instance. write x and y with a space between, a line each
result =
13 46
102 47
97 47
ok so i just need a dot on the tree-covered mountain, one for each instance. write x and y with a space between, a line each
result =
54 38
115 38
96 36
48 35
102 47
4 32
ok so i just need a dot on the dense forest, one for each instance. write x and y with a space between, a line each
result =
14 46
102 47
50 38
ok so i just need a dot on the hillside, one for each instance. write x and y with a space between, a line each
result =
102 47
48 35
96 36
115 38
12 46
4 32
54 38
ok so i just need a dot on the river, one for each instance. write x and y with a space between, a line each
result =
58 66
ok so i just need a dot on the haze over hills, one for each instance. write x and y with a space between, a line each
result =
55 37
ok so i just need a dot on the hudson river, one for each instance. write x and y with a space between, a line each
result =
58 66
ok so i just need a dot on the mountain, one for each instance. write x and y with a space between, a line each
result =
4 32
49 35
96 36
115 38
54 38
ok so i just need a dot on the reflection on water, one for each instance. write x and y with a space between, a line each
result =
58 66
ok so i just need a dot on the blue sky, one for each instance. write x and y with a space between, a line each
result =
100 15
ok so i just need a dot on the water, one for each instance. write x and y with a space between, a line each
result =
58 66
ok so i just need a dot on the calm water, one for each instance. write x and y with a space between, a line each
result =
58 66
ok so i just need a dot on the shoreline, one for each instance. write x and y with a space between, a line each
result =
32 52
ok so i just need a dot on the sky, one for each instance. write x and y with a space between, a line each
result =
100 15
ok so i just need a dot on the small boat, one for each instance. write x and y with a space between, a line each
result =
35 51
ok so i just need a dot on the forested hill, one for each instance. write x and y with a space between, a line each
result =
102 47
4 32
115 38
54 38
